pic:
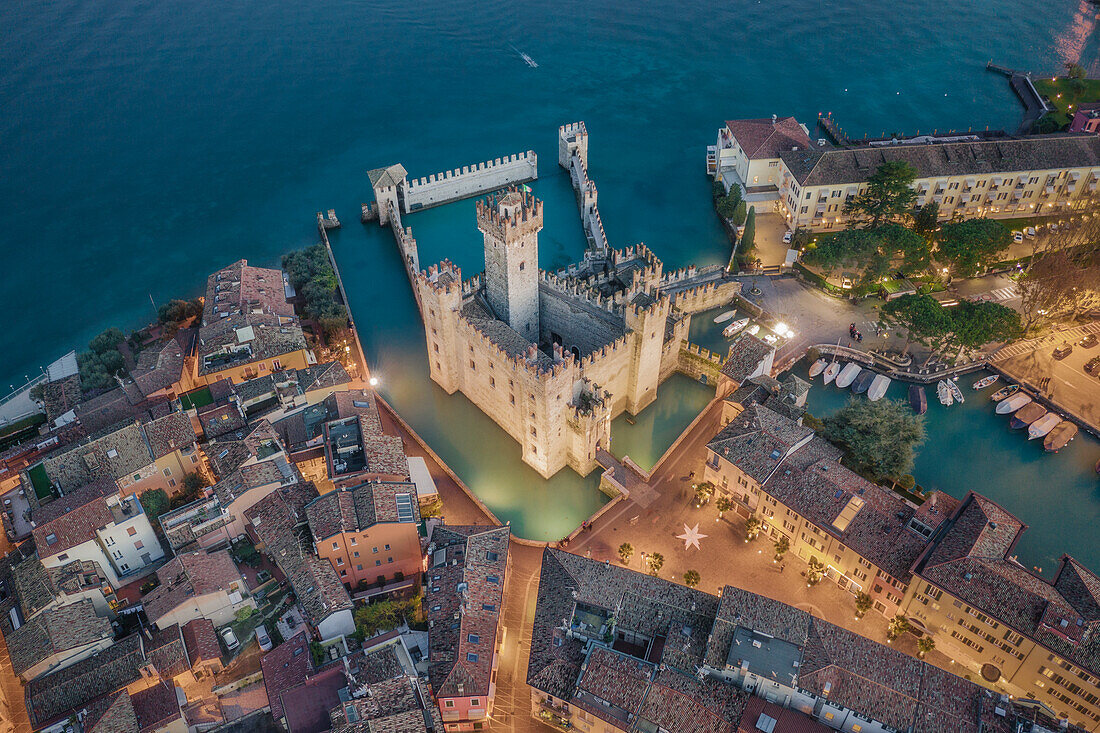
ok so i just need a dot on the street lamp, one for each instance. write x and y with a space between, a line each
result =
374 381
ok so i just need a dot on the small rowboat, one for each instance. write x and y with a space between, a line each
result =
1026 415
878 387
944 393
918 400
863 381
848 375
955 391
1043 425
1058 438
723 317
1005 392
735 327
817 367
830 372
1013 403
986 381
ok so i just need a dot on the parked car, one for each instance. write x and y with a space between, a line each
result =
1063 351
1093 365
262 638
1088 341
787 237
1017 236
1030 231
230 639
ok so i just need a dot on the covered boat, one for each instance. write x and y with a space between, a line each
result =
723 317
848 374
1026 415
830 372
878 387
1043 425
754 329
918 400
944 393
817 367
863 381
735 327
1013 403
985 381
955 391
1060 437
1003 392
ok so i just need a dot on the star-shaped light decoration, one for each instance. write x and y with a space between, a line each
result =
691 536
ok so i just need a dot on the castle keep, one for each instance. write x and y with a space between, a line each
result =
554 357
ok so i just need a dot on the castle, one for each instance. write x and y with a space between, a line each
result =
554 357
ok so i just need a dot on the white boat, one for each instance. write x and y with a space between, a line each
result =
955 391
878 388
985 381
1043 425
848 374
830 372
735 327
723 317
753 329
1013 403
944 393
817 367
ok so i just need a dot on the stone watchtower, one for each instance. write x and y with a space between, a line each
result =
510 223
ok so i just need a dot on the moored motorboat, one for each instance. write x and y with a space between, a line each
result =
734 327
918 400
848 374
1013 403
1026 415
1062 434
753 329
817 367
878 387
944 393
985 381
955 391
1005 392
863 381
1043 425
830 372
723 317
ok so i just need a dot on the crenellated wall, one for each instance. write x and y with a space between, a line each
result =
471 180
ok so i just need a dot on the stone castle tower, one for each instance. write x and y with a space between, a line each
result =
510 223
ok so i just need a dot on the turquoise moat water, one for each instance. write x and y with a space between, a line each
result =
146 144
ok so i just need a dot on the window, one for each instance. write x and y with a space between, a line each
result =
473 638
131 531
354 541
339 561
521 265
167 472
389 559
336 545
449 703
355 554
374 550
493 579
358 567
138 545
171 482
404 508
343 573
475 701
63 557
387 547
137 477
488 607
471 657
377 563
491 556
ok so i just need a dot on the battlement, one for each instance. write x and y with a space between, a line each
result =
529 158
572 130
580 289
446 277
590 360
509 215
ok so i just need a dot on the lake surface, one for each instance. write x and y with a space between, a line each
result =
145 144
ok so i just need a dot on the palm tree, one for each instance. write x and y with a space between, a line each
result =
626 551
656 561
724 505
815 572
925 645
703 492
898 626
691 578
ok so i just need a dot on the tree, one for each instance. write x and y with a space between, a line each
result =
898 625
888 195
752 529
814 572
703 492
782 545
626 551
726 207
748 234
178 311
922 318
878 438
864 603
872 252
926 219
656 561
106 341
155 502
740 213
691 578
734 194
717 190
724 504
1075 71
1062 281
925 644
964 245
977 323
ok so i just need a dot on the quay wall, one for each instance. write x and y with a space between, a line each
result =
471 180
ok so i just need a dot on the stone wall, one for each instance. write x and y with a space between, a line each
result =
696 361
471 180
580 322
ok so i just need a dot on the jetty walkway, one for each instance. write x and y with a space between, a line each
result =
1034 104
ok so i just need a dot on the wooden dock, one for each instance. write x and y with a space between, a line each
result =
833 130
1034 104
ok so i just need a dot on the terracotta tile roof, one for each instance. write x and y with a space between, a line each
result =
241 288
284 667
245 339
746 355
615 679
56 694
201 640
358 508
307 706
158 367
72 519
33 586
1040 152
786 720
317 587
766 138
56 631
230 451
687 705
757 440
170 433
111 713
167 651
111 409
274 521
221 419
463 604
322 376
190 575
156 706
